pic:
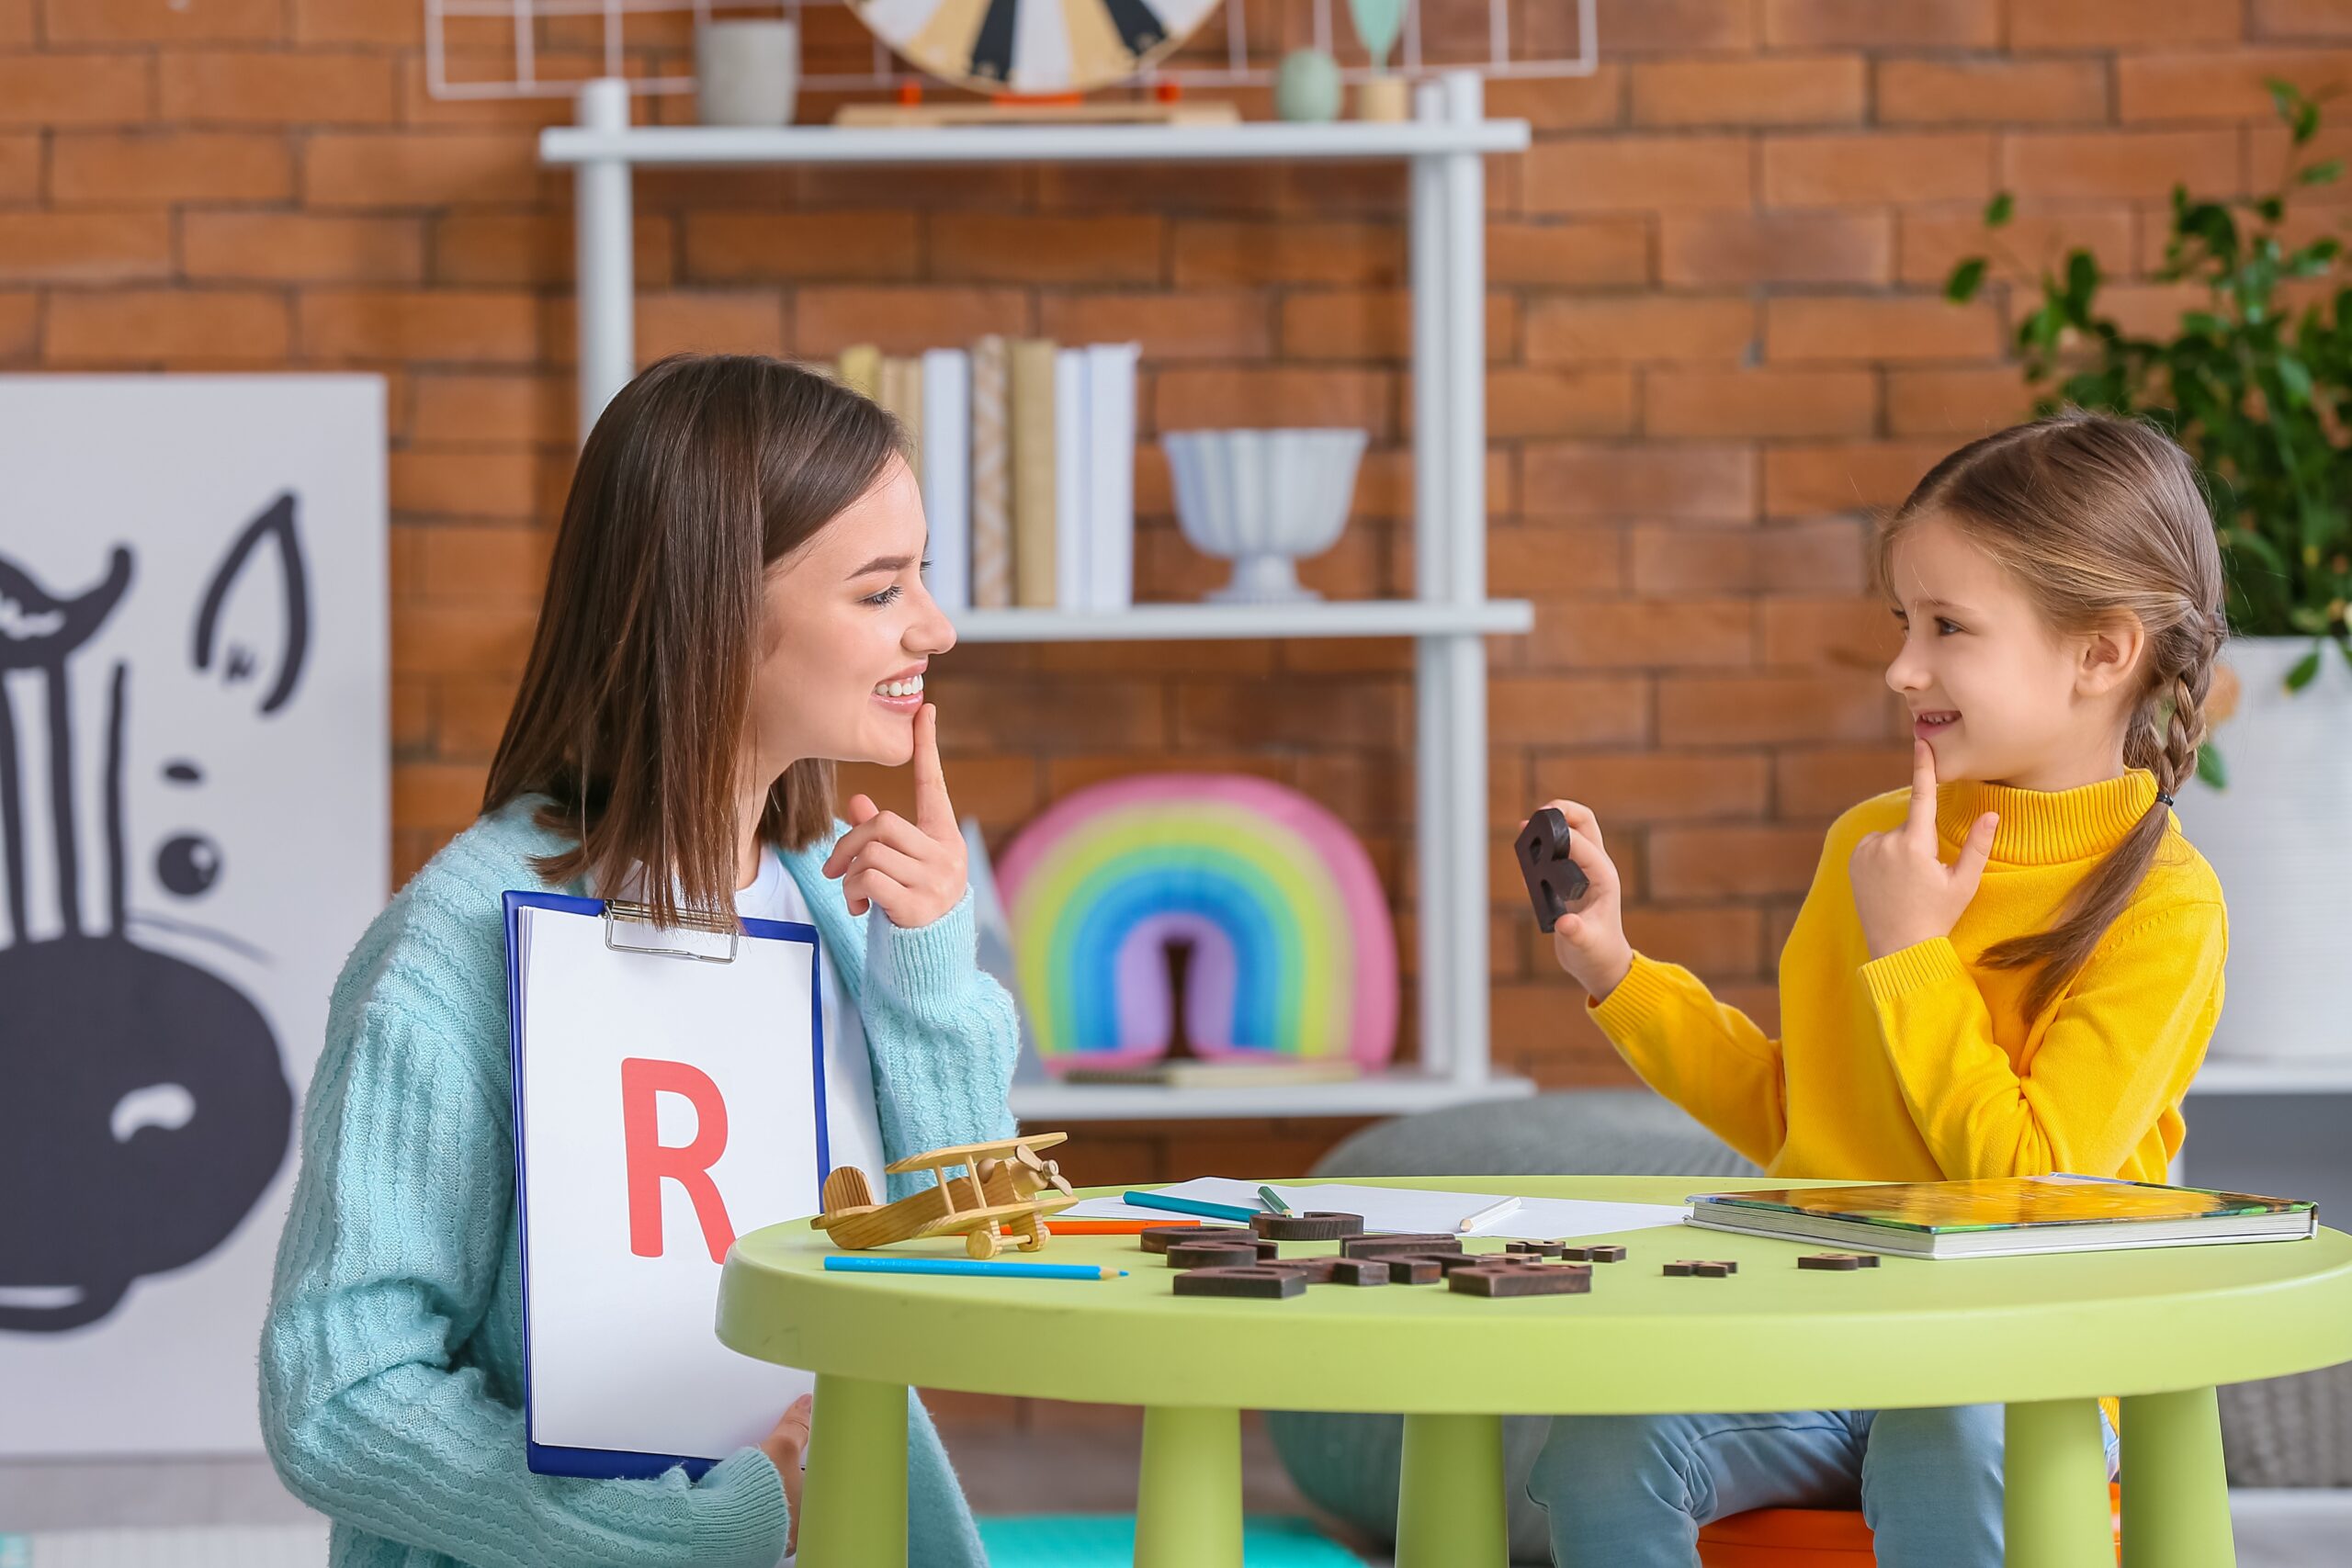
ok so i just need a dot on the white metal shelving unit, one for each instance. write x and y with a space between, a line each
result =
1444 149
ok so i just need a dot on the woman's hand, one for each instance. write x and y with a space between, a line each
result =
1590 940
912 871
788 1446
1904 892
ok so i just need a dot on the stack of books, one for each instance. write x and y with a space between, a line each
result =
2006 1216
1026 452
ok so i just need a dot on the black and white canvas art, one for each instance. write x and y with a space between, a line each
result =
194 803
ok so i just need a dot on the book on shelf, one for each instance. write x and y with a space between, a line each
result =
860 370
1072 538
1033 474
1024 451
1111 371
991 499
1196 1073
946 473
2004 1216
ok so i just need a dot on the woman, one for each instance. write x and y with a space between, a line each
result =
735 603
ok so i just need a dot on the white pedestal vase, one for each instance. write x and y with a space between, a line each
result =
1263 500
2280 839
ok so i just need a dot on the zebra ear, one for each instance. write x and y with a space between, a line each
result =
271 536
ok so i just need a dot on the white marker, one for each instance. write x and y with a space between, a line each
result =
1490 1213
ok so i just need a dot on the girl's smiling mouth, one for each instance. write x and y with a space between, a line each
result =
1933 721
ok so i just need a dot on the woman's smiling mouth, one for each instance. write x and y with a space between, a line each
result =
902 692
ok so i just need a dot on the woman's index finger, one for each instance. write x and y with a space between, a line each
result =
934 813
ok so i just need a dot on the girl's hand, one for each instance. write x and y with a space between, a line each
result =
1902 891
1590 940
914 871
788 1446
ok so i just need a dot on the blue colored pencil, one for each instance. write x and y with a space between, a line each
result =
848 1264
1188 1206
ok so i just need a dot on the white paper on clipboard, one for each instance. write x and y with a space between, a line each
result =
627 1064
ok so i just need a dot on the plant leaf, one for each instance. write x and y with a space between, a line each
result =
1965 280
2325 172
2211 767
2306 670
2000 210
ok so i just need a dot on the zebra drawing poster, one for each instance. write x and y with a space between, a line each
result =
193 804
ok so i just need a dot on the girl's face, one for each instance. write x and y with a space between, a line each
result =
1994 691
850 630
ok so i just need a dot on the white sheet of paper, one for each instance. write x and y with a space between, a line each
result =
1409 1208
623 1354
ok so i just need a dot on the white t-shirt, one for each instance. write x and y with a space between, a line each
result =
852 1131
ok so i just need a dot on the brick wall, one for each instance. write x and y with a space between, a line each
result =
1716 330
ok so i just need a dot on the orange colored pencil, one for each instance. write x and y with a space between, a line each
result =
1109 1227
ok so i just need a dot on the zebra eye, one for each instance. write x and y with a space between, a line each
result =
188 865
165 1105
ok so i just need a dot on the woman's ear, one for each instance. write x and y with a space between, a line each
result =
2110 656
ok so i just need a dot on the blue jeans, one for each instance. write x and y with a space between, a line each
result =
1632 1491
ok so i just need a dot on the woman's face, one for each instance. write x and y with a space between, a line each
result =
850 630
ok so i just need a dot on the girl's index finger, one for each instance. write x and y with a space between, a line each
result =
934 813
1922 816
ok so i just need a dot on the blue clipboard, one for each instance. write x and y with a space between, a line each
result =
614 1463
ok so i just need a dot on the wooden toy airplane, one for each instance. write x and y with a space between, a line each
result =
1009 1191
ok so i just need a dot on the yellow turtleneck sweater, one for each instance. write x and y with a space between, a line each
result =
1922 1065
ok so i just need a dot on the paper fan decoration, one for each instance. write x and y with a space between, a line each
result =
1294 955
1033 46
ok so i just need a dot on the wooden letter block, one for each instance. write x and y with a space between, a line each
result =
1312 1226
1159 1238
1251 1283
1545 1279
1554 881
1391 1246
1359 1270
1213 1255
1839 1262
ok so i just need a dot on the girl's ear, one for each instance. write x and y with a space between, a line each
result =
283 617
2111 655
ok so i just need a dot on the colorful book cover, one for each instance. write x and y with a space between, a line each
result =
1941 1208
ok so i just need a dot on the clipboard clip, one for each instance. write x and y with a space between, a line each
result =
616 911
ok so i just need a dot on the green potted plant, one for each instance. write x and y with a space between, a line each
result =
2256 381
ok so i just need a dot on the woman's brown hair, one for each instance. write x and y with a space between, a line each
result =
2095 518
703 473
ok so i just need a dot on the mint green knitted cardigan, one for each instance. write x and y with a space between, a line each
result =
390 1360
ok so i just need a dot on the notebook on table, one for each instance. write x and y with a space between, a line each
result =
2006 1216
668 1096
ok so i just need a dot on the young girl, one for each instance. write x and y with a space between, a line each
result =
2008 973
735 601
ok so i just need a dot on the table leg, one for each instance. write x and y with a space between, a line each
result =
1449 1502
2176 1494
854 1507
1188 1500
2055 1504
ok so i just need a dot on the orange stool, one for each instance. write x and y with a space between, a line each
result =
1805 1537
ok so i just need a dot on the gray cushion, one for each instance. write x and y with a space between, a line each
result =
1348 1464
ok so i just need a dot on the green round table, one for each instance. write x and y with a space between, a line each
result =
2044 1335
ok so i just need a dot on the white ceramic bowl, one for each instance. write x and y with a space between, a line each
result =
1263 498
